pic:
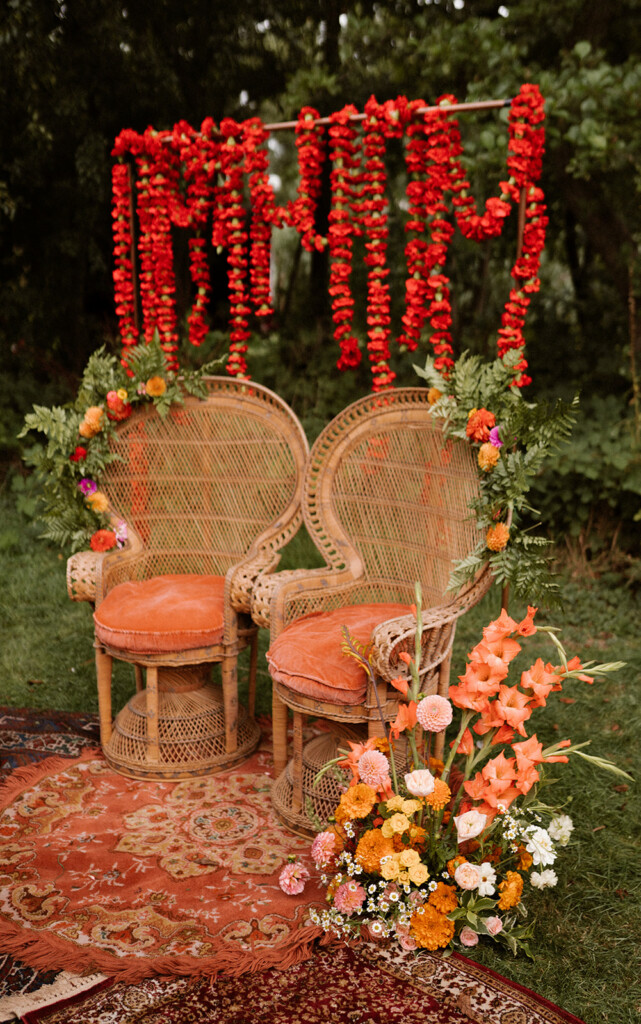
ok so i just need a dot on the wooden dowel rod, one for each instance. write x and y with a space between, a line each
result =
455 107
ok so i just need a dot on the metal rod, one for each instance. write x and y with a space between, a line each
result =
455 107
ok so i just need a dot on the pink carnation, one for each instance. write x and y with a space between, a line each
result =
349 897
494 925
373 769
434 713
468 937
323 848
292 878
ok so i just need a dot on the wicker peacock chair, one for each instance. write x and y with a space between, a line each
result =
386 502
209 494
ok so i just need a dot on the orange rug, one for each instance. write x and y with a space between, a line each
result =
132 879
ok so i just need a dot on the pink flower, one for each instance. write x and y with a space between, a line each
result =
292 878
373 768
434 713
420 782
494 925
467 875
468 937
87 485
323 848
349 897
470 824
495 440
404 938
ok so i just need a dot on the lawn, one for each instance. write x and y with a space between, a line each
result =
588 933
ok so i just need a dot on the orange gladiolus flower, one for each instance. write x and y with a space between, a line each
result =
526 626
538 682
405 719
401 685
505 649
512 707
500 628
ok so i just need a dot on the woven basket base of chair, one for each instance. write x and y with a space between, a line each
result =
191 733
320 801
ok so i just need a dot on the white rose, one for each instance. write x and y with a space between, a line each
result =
560 828
470 824
420 782
488 878
467 875
543 879
539 845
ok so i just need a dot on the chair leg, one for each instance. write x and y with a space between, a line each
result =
279 729
153 741
253 665
297 766
230 702
104 664
138 676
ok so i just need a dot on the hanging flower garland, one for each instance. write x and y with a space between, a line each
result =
231 232
263 209
343 150
310 147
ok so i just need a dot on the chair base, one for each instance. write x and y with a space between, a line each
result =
191 731
320 800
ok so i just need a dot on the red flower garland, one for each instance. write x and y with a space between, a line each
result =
310 147
343 153
234 237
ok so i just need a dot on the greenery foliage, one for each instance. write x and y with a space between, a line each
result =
528 433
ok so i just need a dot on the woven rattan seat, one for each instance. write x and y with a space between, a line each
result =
387 503
210 495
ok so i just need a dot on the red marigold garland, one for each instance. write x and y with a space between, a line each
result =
310 147
234 236
124 296
263 210
343 147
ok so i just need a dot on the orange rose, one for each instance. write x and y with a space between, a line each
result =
156 386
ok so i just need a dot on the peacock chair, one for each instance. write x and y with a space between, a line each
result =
210 494
387 502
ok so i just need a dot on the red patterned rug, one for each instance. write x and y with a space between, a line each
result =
103 873
339 985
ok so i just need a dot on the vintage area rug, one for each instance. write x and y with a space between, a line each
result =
362 985
103 873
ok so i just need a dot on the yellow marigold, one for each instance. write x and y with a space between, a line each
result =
433 395
92 423
440 795
430 929
396 824
371 847
444 898
97 502
454 863
497 537
156 386
525 859
510 890
357 802
488 457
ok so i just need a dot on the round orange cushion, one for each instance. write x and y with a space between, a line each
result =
165 613
308 658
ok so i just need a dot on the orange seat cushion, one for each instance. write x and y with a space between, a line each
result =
165 613
308 657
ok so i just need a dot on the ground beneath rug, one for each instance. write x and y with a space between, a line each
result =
339 985
103 873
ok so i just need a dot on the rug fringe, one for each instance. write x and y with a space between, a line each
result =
40 949
21 778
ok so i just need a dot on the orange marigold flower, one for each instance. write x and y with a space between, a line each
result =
156 386
372 846
103 540
454 863
444 898
357 802
510 890
431 929
525 859
440 795
497 537
479 424
92 423
433 395
97 502
488 456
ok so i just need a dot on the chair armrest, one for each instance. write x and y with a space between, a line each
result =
281 597
82 572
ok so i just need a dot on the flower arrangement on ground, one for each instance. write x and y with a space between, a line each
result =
479 402
73 509
444 854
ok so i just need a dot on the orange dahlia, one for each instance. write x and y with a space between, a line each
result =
431 929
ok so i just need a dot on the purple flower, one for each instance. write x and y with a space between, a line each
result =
494 438
87 485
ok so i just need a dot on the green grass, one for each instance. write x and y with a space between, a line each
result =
588 934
